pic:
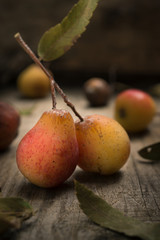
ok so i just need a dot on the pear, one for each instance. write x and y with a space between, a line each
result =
32 82
9 123
48 154
104 145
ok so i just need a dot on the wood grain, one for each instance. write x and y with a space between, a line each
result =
134 189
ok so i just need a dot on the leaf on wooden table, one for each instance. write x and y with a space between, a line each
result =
60 38
100 212
26 111
13 211
151 152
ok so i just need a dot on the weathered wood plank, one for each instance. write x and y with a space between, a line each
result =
134 190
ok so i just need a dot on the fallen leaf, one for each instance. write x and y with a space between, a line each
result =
26 111
151 152
103 214
13 211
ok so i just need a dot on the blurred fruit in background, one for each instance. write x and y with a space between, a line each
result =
32 82
134 109
97 91
155 90
9 123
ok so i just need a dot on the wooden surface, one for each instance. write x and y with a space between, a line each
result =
134 189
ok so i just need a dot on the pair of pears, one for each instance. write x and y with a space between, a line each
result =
49 153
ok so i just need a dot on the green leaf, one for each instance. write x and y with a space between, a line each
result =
13 211
27 111
60 38
100 212
151 152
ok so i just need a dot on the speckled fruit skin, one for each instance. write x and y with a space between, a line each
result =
104 145
9 124
134 110
47 155
32 82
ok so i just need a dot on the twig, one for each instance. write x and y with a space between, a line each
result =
54 85
53 93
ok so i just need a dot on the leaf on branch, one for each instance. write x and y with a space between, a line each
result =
151 152
13 211
101 213
60 38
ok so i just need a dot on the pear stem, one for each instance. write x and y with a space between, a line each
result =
53 93
54 85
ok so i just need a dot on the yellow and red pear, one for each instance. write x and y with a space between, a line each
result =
48 154
104 145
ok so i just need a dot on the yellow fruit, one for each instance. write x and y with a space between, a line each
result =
33 82
104 145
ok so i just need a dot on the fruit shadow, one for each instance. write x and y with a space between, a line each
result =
96 178
148 162
29 191
139 135
28 99
4 151
89 106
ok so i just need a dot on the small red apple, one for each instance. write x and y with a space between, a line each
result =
134 109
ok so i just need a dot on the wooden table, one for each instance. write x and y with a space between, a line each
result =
135 189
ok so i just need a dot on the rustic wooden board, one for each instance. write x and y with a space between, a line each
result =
133 190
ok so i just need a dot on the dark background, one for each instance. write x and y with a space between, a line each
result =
122 41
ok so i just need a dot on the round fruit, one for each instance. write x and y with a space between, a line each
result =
134 110
104 145
9 123
33 82
97 91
